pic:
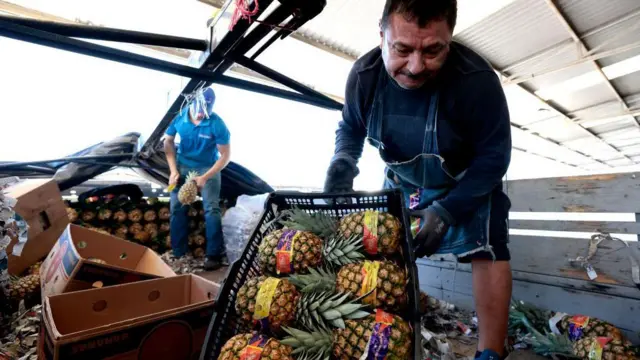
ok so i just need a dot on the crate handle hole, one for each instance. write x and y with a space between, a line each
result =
154 295
97 284
99 306
123 256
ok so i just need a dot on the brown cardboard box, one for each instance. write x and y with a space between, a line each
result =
40 204
69 266
148 320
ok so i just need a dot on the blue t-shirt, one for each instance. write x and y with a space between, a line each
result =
198 144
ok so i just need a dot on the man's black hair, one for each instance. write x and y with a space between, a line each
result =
422 11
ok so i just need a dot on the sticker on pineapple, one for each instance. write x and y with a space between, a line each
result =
253 351
595 352
378 345
263 300
576 327
369 281
415 226
284 251
370 232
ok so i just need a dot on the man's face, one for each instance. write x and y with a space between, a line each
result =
412 55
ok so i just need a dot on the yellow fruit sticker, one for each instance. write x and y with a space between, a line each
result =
369 281
370 232
595 353
284 251
264 298
253 351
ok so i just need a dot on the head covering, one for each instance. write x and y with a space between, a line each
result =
201 105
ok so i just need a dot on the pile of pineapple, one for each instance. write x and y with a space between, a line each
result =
328 288
573 336
24 288
145 223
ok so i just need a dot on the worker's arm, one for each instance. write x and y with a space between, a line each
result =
222 138
349 139
221 163
170 152
487 115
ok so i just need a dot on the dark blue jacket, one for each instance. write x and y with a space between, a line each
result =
474 130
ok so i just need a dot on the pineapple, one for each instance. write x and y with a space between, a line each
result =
135 228
423 306
192 212
202 226
189 191
198 252
167 242
142 236
577 327
385 239
193 224
164 213
191 240
273 303
382 283
152 229
254 346
120 216
121 231
152 201
72 214
377 336
88 215
105 214
150 216
135 215
596 348
165 227
307 250
25 288
199 240
104 230
35 268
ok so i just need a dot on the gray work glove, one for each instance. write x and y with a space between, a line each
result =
340 176
432 230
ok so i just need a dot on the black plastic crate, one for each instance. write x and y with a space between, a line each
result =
225 322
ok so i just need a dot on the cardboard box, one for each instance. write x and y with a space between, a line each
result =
69 266
149 320
40 204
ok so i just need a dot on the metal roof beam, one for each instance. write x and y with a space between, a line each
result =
583 47
306 38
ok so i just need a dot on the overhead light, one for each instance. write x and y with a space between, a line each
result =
619 69
72 192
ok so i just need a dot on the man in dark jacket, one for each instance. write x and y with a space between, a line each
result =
438 115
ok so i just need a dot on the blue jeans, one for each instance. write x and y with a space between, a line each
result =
212 216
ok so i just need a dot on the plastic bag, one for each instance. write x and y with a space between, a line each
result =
239 222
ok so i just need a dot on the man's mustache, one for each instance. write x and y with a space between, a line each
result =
423 75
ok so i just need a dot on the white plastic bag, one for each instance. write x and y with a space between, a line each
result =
239 222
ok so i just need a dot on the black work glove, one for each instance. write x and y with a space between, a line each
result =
432 230
340 176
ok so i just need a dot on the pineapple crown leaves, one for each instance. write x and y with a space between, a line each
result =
314 345
318 223
341 251
317 309
319 280
191 176
547 344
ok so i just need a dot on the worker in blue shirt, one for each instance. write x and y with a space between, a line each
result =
437 114
204 147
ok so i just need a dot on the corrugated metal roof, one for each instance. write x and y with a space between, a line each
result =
501 37
589 14
629 84
573 101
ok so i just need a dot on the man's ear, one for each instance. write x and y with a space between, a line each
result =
381 32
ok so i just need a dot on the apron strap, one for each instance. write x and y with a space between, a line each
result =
430 142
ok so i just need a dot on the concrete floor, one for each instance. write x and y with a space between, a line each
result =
215 276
